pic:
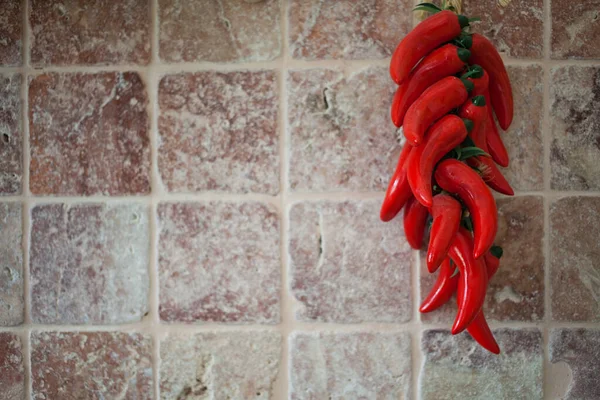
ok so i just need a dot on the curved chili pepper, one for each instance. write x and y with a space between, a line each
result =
425 37
475 110
442 137
443 289
480 331
456 177
398 191
494 141
446 212
434 103
415 217
492 260
445 61
481 82
472 283
485 54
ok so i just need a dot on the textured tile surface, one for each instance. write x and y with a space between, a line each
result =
89 263
89 134
89 32
575 128
341 135
11 32
363 29
232 365
457 367
574 253
11 264
580 350
219 31
12 372
575 29
350 366
91 365
219 262
11 145
346 265
219 131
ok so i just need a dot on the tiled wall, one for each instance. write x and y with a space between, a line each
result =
190 194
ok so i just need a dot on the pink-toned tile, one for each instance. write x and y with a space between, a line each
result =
89 263
11 144
86 32
340 132
12 371
89 134
346 265
575 29
91 365
219 31
219 262
11 32
226 365
219 132
12 306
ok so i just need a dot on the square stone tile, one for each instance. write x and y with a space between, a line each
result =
340 132
12 371
356 365
575 128
12 306
456 367
11 32
89 263
219 262
219 31
90 33
579 351
346 265
516 30
89 134
11 142
575 29
347 29
219 132
225 365
574 254
91 365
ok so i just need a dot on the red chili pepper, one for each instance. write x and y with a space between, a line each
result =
492 260
456 177
446 212
494 141
434 103
480 82
472 283
398 191
415 217
485 54
443 136
476 111
423 39
445 61
443 289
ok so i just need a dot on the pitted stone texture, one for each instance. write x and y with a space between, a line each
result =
219 31
523 140
89 263
575 29
580 350
218 131
232 365
11 145
11 33
346 265
11 264
516 29
341 134
91 365
12 372
350 366
89 134
575 128
574 254
69 32
347 29
219 262
456 367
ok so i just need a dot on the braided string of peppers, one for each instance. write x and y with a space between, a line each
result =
451 82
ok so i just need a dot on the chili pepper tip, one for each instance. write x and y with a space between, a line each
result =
468 124
479 100
463 20
463 54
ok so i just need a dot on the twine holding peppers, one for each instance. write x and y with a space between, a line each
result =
451 82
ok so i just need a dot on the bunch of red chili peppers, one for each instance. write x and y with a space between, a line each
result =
451 83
